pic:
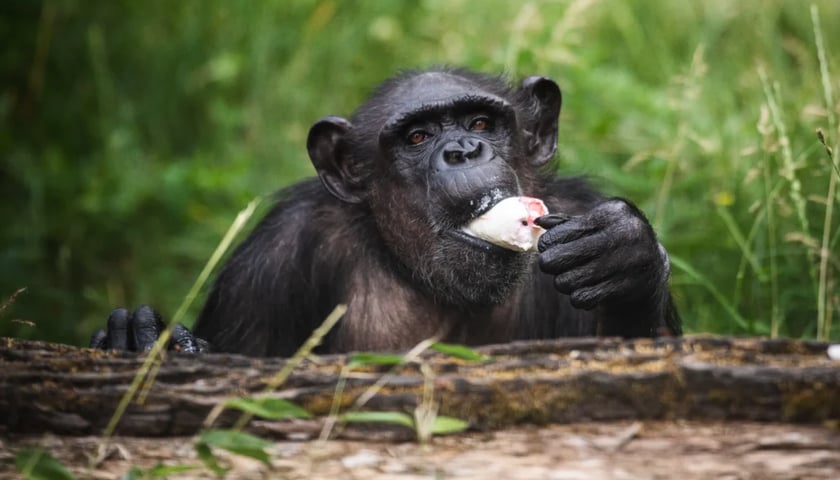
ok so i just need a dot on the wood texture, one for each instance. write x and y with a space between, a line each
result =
73 391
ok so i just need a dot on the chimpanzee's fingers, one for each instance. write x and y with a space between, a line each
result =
117 333
568 231
146 325
203 345
563 257
552 220
584 275
587 298
97 340
183 340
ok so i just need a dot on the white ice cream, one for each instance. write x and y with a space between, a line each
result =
510 223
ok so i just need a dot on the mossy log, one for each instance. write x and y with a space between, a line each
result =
74 391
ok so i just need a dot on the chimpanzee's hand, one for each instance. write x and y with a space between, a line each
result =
139 331
606 257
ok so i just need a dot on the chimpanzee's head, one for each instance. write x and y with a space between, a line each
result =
428 152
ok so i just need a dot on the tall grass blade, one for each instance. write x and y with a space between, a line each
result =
702 280
146 371
824 311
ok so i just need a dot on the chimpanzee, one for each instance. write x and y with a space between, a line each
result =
381 232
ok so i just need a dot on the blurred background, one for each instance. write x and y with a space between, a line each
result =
131 133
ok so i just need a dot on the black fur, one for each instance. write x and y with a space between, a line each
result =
382 236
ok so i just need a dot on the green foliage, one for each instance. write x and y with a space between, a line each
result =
206 455
270 408
444 425
132 132
441 425
233 441
158 471
458 351
393 418
363 359
38 464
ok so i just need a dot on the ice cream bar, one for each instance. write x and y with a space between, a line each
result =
510 223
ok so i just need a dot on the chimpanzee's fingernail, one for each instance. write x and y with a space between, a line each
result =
552 220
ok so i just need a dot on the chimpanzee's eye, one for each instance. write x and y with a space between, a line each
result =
480 124
417 136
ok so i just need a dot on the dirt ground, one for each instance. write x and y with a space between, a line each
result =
616 450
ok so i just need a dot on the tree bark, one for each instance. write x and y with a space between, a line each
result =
74 391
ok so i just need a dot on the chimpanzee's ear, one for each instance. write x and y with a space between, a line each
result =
541 135
326 150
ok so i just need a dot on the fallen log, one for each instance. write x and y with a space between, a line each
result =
74 391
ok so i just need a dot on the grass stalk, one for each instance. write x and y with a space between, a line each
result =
280 377
700 279
823 302
741 276
151 364
788 167
238 224
775 308
332 418
743 243
361 400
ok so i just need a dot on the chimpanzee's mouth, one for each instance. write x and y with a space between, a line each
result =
460 234
475 242
476 208
510 223
483 204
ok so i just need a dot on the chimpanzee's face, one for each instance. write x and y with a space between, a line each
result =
429 153
444 158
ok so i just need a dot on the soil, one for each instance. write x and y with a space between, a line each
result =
613 450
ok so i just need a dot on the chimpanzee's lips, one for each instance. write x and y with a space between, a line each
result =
477 243
485 202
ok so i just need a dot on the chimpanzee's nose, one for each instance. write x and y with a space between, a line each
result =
463 150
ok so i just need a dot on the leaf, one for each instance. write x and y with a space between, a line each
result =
237 442
38 464
395 418
445 425
162 471
134 473
458 351
270 408
158 471
206 455
364 359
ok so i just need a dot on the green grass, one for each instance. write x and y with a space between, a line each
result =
132 133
